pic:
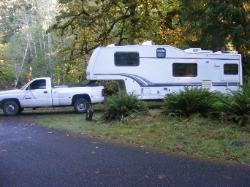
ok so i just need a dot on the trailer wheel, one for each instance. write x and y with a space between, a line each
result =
11 108
81 105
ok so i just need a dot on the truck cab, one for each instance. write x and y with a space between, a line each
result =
37 93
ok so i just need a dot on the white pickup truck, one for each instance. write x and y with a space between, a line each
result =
40 93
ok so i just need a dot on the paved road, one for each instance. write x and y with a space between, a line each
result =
34 156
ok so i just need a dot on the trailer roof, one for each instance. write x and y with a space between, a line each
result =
189 50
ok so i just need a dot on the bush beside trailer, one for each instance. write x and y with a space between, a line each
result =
152 71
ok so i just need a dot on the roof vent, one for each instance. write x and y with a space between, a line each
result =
193 50
197 50
232 52
111 45
147 43
218 52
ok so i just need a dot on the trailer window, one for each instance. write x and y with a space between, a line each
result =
231 69
184 70
127 59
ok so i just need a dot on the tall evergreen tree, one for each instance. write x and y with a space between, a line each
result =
218 25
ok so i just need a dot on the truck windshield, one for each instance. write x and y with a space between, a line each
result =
23 87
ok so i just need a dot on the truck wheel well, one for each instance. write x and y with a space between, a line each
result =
12 99
85 96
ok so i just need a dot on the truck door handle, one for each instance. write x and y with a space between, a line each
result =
45 92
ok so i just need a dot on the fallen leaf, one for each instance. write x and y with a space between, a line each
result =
180 146
162 177
226 149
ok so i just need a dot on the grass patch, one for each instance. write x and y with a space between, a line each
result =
193 136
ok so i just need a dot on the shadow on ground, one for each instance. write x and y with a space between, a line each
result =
48 111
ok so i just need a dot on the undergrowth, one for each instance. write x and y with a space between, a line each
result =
121 105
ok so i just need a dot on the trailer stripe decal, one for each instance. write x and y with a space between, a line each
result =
146 83
192 58
226 84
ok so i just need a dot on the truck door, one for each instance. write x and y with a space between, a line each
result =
37 94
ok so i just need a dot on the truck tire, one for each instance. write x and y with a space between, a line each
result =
81 105
11 108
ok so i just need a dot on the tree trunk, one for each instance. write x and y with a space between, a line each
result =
133 22
23 61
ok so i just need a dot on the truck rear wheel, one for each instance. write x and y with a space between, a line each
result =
81 105
11 108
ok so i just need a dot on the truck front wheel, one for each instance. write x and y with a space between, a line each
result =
81 105
11 108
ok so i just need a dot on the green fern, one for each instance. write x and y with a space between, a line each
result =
121 105
189 101
236 106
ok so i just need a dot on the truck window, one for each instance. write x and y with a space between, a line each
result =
38 84
127 59
231 69
184 69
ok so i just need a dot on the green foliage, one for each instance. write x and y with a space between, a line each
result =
217 25
236 107
6 76
29 50
88 24
119 106
111 87
6 71
189 101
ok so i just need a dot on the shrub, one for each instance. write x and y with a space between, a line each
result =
121 105
189 101
235 106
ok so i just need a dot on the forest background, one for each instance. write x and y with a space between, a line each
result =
56 37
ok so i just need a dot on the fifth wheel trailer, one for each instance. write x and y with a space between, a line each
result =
152 71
